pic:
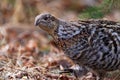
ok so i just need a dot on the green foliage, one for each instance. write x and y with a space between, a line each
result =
92 12
99 11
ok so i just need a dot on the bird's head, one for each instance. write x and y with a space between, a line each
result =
47 22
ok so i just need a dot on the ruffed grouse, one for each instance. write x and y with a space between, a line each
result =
94 44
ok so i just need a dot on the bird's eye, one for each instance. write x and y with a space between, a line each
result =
45 18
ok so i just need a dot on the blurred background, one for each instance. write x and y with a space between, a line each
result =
26 52
24 11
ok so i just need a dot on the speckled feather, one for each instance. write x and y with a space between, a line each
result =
94 43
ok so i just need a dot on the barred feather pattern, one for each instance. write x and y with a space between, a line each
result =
93 43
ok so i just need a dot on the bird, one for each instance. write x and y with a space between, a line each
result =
93 43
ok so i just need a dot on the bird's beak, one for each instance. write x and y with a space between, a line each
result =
36 23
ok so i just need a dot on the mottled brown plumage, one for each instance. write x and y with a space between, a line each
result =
94 44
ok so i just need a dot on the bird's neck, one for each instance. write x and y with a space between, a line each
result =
67 30
68 34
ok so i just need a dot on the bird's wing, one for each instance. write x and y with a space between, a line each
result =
103 23
104 34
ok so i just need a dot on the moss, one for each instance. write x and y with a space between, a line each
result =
101 10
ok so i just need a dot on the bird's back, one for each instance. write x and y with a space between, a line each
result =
93 43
